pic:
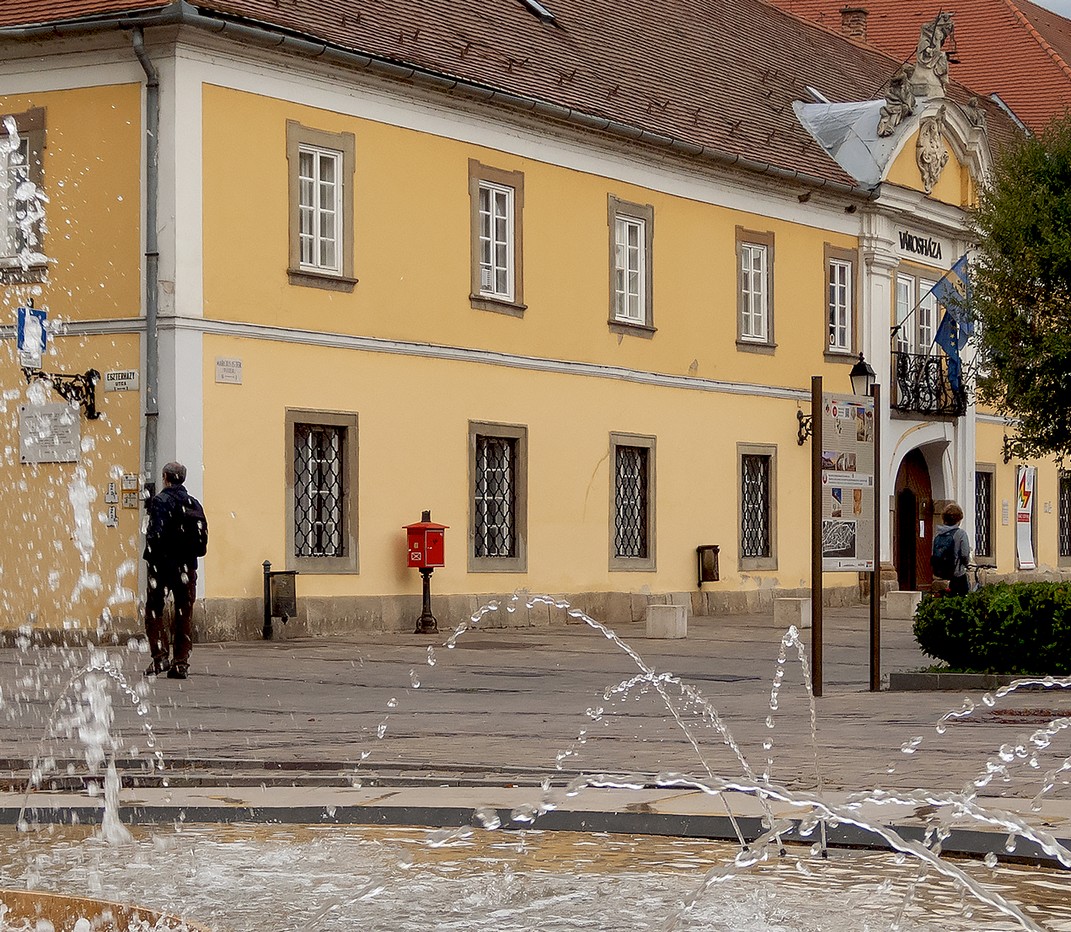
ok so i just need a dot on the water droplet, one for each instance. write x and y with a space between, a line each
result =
910 747
414 680
392 703
991 859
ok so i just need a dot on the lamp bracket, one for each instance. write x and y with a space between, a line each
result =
74 389
806 427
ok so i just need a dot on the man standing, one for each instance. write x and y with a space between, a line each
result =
952 551
176 536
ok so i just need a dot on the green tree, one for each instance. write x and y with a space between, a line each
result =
1021 291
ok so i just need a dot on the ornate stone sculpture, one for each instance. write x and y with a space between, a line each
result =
931 63
899 101
930 152
975 114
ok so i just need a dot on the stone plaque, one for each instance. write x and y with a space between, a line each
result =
228 371
49 433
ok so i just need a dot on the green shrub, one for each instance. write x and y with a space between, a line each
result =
1016 628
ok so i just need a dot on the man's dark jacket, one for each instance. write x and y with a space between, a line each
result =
163 533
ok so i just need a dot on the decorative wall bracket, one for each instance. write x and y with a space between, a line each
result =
74 389
806 427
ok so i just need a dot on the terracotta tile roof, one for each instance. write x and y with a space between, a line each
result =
1013 48
32 12
709 73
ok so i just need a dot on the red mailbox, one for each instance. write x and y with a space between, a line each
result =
427 543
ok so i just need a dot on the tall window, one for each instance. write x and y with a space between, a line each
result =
22 139
495 503
319 521
1065 517
927 319
758 513
498 477
496 208
321 491
321 207
983 513
839 329
631 241
754 253
632 503
905 304
496 241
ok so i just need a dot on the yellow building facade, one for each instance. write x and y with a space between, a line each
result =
375 297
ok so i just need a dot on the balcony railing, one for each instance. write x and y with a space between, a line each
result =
921 386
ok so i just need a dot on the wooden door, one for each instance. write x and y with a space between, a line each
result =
914 523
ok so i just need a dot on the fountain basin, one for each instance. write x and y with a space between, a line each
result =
28 908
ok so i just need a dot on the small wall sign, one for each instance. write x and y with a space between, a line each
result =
122 380
228 371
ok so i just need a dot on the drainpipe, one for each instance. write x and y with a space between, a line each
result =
152 260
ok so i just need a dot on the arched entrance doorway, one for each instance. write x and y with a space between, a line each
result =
913 539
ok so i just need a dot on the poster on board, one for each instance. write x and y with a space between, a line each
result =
1024 517
847 483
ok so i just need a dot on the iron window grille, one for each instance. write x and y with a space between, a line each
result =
755 505
1065 515
983 503
319 492
631 482
495 505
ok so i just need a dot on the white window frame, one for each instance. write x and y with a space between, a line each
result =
755 299
839 282
25 263
905 303
926 318
495 247
630 269
14 170
316 239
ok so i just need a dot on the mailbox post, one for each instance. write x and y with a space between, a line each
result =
426 543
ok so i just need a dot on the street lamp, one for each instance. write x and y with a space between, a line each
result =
862 376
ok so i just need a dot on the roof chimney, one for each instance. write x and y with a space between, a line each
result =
853 22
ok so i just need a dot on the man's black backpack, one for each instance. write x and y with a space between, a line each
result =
943 559
192 529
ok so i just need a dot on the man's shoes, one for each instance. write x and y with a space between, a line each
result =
157 667
177 671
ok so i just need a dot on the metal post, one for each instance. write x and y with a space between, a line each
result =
875 577
426 623
267 601
816 535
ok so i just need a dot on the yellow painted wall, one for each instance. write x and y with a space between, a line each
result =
989 439
413 427
40 560
411 200
92 177
954 186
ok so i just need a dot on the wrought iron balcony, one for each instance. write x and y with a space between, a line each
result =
921 386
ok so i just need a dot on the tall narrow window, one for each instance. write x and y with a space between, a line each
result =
1065 517
758 513
754 256
321 485
631 239
632 502
22 251
319 522
321 207
905 304
983 513
496 241
495 503
839 330
498 477
927 319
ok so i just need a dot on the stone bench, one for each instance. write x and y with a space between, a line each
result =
667 621
792 612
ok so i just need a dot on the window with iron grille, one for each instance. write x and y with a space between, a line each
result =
631 242
1065 516
498 477
321 207
632 502
321 521
758 513
495 504
983 513
318 490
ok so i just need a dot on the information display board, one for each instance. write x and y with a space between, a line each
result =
49 433
847 483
